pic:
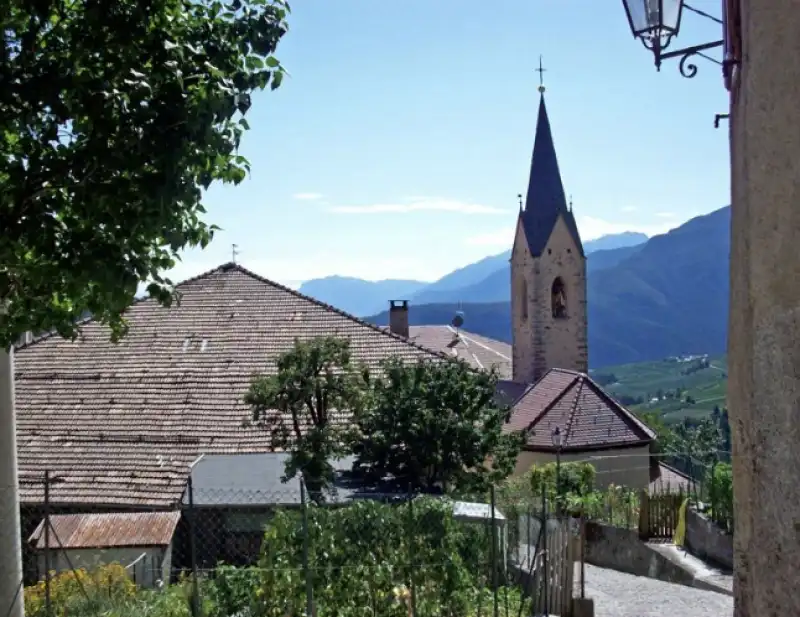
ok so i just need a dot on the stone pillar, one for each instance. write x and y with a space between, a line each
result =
764 331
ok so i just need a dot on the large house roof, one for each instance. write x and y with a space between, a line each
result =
478 351
587 417
119 424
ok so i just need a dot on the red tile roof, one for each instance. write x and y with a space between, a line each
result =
586 415
478 351
108 530
121 423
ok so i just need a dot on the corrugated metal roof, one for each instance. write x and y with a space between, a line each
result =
108 530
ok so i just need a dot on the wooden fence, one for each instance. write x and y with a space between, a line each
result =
548 578
659 515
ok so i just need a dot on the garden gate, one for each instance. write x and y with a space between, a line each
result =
659 514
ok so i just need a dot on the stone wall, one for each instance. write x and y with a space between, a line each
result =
623 550
707 541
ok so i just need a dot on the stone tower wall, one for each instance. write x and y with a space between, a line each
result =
541 341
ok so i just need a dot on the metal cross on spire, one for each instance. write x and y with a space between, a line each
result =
234 252
541 71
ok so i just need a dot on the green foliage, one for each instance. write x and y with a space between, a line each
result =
364 557
568 478
114 117
435 425
314 380
720 483
231 590
537 488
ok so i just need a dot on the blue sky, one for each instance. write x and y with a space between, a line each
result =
398 144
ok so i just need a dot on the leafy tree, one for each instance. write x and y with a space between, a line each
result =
114 116
315 381
435 426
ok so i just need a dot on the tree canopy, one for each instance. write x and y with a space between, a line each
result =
435 426
114 117
315 381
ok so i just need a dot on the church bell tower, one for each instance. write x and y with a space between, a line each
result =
548 271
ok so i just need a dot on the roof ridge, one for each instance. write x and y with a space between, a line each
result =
571 418
556 399
622 412
230 265
329 307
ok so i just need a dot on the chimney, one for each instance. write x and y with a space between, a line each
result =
398 317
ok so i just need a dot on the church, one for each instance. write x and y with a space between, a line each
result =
121 425
554 401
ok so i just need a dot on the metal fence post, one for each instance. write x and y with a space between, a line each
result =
306 549
410 533
583 556
193 550
545 561
48 607
493 553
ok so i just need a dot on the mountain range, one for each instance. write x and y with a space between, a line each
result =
647 298
487 280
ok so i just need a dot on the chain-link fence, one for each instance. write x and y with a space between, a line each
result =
225 553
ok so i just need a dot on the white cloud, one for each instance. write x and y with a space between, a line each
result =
629 209
665 215
307 196
420 205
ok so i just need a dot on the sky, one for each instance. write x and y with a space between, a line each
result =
399 142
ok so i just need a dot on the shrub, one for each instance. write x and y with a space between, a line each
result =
81 591
721 495
363 557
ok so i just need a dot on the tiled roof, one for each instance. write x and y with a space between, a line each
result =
108 530
587 417
478 351
669 480
121 423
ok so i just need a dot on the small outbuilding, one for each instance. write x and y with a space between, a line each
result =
140 541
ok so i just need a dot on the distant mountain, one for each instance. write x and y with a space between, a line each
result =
489 280
358 296
666 297
614 241
446 287
496 286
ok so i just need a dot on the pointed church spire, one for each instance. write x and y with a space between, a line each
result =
545 199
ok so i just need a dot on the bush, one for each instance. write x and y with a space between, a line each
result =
81 592
362 558
720 494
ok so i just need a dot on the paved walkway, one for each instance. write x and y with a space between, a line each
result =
623 595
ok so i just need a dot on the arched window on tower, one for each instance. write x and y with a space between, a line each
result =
523 299
558 294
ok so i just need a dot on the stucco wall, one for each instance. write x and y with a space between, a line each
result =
624 467
154 566
540 341
764 354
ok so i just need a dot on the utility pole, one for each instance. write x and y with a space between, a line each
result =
11 595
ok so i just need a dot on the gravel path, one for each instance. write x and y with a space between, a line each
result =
623 595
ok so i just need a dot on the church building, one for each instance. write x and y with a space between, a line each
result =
560 408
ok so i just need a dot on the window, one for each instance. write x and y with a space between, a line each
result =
558 294
523 299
